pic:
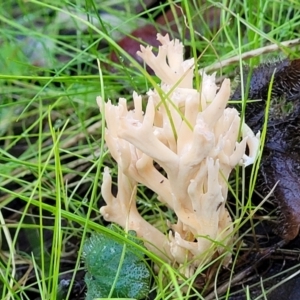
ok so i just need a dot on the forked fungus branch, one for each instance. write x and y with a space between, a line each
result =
195 139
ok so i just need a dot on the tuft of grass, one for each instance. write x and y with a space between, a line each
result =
51 132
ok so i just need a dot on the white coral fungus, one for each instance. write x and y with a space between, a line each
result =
194 138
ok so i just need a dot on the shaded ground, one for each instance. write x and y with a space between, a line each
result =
264 255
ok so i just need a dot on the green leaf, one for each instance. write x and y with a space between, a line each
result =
103 257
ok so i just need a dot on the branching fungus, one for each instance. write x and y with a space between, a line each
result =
196 140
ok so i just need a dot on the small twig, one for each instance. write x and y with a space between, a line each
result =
89 130
253 53
286 257
241 276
